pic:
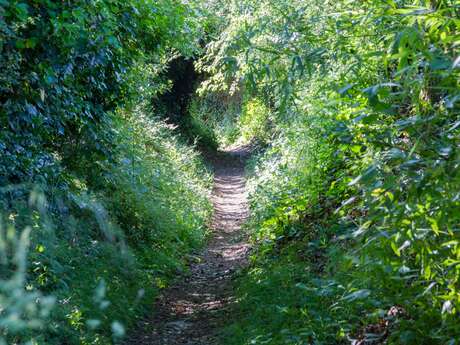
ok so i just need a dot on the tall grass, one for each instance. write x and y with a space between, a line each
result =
106 242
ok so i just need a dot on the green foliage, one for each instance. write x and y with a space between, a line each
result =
198 123
213 118
65 66
354 197
99 250
88 167
154 176
357 196
253 121
22 311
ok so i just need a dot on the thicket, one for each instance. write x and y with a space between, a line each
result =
110 199
355 200
354 191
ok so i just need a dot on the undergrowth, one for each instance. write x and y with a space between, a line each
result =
100 199
354 188
104 253
213 117
354 200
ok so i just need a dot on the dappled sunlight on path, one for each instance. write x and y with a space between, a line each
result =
191 311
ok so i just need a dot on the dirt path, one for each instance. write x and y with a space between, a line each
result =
192 311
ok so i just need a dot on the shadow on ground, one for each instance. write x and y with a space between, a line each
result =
191 311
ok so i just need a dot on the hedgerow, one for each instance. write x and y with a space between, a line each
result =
110 197
354 203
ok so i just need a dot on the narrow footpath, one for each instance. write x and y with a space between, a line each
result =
192 311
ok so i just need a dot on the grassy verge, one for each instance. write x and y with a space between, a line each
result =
103 244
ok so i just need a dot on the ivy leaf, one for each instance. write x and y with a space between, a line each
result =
22 11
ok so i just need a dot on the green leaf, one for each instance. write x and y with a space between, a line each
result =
395 248
440 63
344 90
357 295
22 11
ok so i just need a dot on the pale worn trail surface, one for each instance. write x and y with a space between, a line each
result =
192 311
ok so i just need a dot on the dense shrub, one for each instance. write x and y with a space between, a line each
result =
254 121
353 205
65 66
111 197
